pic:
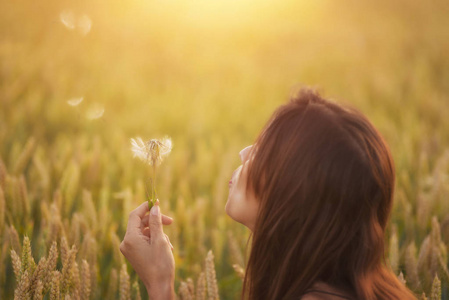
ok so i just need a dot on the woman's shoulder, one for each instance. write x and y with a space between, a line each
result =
323 291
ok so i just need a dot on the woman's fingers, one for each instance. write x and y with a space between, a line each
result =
168 240
135 217
147 233
166 220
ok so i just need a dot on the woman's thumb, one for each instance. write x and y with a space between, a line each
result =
155 222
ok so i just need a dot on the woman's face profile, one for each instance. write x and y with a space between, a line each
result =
242 207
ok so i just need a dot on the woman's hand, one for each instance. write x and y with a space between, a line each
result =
149 250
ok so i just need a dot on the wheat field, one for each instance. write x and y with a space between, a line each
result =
78 80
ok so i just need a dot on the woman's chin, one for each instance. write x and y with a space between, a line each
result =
227 207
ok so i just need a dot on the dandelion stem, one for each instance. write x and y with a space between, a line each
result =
153 187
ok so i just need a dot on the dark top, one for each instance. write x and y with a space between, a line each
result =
329 293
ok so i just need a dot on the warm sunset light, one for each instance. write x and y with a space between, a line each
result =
94 94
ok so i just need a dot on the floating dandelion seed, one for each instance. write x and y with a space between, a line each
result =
67 18
96 111
75 101
70 21
84 24
151 152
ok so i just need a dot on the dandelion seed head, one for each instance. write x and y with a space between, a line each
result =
152 151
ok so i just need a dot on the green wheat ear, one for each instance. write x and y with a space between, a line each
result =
150 204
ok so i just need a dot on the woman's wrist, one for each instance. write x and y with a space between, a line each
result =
162 291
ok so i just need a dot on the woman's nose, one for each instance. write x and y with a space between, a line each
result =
244 153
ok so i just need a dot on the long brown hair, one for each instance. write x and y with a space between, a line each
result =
324 178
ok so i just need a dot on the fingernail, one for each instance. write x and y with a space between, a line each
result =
155 210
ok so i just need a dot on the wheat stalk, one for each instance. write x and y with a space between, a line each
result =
411 265
89 209
2 210
136 291
239 270
401 278
236 253
424 254
51 265
14 239
436 289
201 287
112 288
66 279
124 284
23 289
28 263
37 275
3 173
394 249
23 196
75 281
55 283
211 279
25 156
38 291
191 286
183 292
75 229
64 249
85 280
17 265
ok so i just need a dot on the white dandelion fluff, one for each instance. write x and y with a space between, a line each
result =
84 24
152 151
67 18
95 111
75 101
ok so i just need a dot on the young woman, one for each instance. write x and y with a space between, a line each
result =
316 191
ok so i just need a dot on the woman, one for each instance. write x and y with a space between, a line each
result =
316 191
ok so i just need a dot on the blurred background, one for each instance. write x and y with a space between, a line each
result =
79 79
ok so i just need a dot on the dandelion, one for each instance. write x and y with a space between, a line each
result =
151 152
